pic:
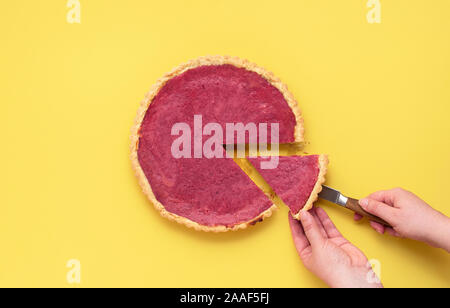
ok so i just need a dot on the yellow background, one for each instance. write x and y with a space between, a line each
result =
375 97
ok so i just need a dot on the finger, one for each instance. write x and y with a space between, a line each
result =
298 235
312 230
357 217
318 222
377 226
385 196
378 208
328 225
393 232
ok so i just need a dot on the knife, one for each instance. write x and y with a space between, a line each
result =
336 197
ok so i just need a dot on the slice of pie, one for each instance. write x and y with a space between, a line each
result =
210 194
297 180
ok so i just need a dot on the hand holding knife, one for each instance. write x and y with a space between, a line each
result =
336 197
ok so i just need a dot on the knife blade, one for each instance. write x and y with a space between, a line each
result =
336 197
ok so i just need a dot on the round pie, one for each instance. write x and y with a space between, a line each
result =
209 194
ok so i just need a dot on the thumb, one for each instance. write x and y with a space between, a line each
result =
311 228
377 208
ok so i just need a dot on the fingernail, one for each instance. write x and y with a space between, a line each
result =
364 202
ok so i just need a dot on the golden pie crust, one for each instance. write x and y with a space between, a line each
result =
202 61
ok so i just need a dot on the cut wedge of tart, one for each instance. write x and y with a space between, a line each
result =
297 180
209 194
